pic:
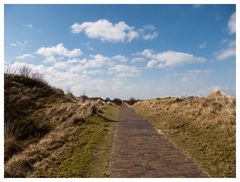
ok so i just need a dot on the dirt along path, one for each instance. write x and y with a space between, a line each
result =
139 151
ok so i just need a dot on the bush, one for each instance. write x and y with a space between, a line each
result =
117 101
131 101
107 100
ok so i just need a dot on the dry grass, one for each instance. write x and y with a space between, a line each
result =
57 153
42 128
204 127
25 99
86 154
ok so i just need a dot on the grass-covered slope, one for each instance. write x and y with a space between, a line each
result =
51 134
87 152
26 105
203 127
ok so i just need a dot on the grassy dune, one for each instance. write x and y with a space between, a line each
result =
86 154
203 127
52 134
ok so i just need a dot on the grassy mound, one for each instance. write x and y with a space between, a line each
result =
204 127
44 128
86 154
25 99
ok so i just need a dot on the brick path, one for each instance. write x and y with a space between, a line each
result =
139 151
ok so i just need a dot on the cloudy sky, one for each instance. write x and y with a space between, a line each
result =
125 51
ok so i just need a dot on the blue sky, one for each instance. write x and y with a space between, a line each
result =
124 51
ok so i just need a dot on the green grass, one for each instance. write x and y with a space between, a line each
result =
88 153
211 148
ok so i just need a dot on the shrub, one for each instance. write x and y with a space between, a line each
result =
117 101
131 101
107 99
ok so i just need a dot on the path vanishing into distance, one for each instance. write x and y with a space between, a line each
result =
139 151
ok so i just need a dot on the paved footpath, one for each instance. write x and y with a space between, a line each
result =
139 151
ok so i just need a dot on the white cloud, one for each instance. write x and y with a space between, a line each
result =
228 52
151 36
149 27
50 59
13 44
93 72
24 57
123 75
98 64
185 79
120 58
148 32
203 45
191 74
106 31
19 43
170 59
151 64
95 62
232 24
146 28
197 72
77 65
63 65
137 59
148 53
88 46
58 50
124 70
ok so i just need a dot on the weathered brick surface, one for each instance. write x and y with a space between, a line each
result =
139 151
